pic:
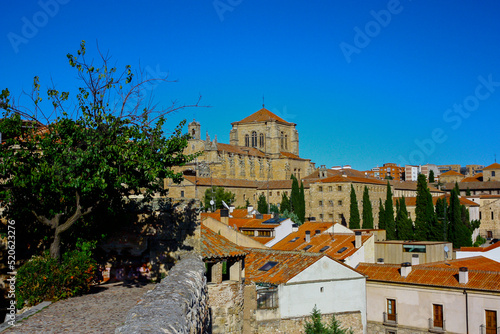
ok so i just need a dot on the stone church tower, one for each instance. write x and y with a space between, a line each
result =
266 132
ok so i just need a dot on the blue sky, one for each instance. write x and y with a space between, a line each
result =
366 82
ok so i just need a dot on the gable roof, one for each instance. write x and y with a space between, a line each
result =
354 179
292 156
262 115
451 173
214 245
480 249
476 178
289 264
476 263
411 185
495 165
431 276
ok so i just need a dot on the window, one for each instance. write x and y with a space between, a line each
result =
491 215
248 232
330 216
261 140
330 203
264 233
391 310
321 216
339 203
254 139
330 188
267 298
286 143
320 189
491 322
307 247
480 215
247 140
282 140
324 249
320 203
268 266
414 248
339 188
294 239
343 249
437 311
182 193
492 173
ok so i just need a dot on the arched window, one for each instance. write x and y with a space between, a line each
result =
247 140
254 139
282 140
261 140
286 142
193 132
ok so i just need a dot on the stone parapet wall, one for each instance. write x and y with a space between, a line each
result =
296 325
179 304
226 304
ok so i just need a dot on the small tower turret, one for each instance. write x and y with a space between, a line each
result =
194 130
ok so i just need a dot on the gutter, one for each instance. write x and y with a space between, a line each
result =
466 312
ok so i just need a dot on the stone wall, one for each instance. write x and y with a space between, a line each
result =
179 304
226 305
378 328
296 325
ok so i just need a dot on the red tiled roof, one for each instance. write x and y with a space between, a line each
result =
289 265
251 223
221 182
480 249
335 242
451 173
476 263
340 178
485 185
291 156
411 185
214 245
263 115
278 184
495 165
262 240
431 276
243 150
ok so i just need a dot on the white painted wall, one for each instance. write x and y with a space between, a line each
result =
329 285
281 231
366 253
493 254
414 305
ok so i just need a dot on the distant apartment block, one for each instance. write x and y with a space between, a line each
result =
388 171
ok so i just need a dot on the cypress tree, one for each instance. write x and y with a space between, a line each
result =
390 228
458 231
404 225
302 203
441 217
354 211
431 176
367 210
457 188
295 195
285 203
467 192
262 204
381 215
424 210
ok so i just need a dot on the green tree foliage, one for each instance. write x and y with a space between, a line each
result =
297 200
459 233
467 192
390 226
262 204
218 194
274 209
285 203
316 326
354 220
86 153
431 176
367 210
381 215
404 225
302 203
292 216
442 217
424 210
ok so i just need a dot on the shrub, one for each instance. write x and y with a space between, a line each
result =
44 278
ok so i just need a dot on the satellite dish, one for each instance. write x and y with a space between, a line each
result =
212 202
446 249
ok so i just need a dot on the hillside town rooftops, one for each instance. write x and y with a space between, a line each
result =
214 245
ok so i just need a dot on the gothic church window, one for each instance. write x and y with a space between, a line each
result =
247 140
286 142
254 139
282 140
261 140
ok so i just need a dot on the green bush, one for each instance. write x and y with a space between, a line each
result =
44 278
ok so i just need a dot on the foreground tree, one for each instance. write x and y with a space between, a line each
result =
285 203
316 326
431 176
297 200
63 164
367 210
404 225
262 204
390 226
424 210
381 215
354 220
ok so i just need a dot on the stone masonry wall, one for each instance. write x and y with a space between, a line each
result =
296 325
226 305
379 328
179 304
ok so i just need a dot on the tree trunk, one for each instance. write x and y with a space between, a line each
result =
55 247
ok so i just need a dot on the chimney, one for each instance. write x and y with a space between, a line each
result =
380 260
312 219
405 269
249 209
415 260
231 209
224 216
317 232
357 239
308 236
295 227
463 275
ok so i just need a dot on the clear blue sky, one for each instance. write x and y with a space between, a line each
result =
367 82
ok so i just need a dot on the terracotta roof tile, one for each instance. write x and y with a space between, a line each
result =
291 156
278 184
289 264
451 173
431 276
226 183
476 263
480 249
495 165
340 178
262 240
214 245
263 115
243 150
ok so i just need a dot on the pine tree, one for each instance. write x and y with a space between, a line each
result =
381 215
431 176
390 228
367 210
285 203
354 211
316 326
262 204
295 194
404 225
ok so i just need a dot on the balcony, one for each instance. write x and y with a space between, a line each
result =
484 330
390 319
437 326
